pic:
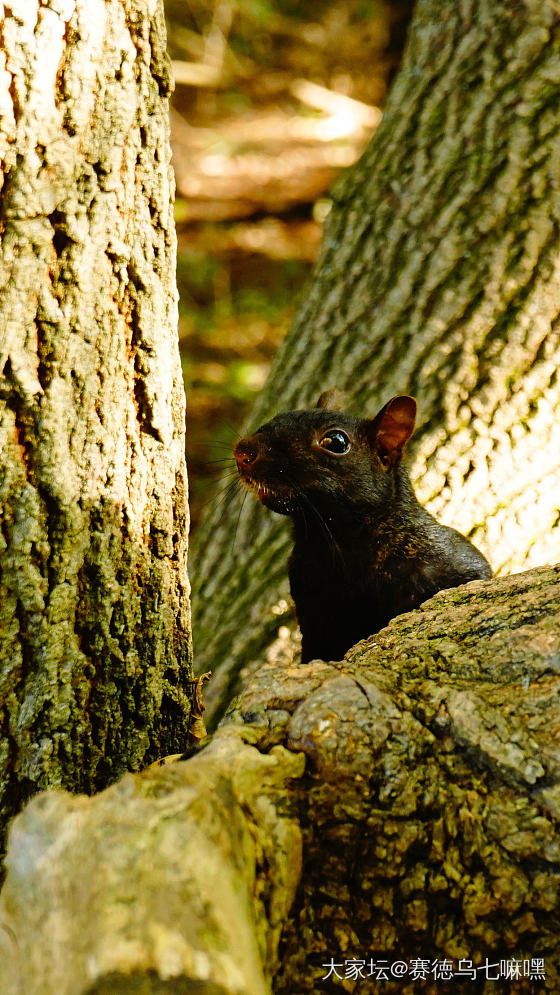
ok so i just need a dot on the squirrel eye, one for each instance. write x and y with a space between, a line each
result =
336 442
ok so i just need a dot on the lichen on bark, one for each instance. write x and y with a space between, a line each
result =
94 606
403 803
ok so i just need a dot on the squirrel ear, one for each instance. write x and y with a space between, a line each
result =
331 400
391 428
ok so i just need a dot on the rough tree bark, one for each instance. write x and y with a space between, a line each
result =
439 276
404 802
94 611
419 780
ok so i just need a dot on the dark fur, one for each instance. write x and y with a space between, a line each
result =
364 548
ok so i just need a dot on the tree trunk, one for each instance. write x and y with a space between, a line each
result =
408 797
439 276
94 611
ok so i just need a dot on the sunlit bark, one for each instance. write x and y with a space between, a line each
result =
439 276
401 804
94 611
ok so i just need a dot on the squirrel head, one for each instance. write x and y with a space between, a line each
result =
324 458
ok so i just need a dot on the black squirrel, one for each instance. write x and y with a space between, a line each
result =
365 550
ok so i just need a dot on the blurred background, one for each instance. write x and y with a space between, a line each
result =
273 99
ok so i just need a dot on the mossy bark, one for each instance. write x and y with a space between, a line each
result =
439 276
403 803
94 609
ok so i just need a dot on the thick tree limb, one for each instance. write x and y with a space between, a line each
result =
429 810
156 878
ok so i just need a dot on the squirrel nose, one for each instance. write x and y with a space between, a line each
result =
246 453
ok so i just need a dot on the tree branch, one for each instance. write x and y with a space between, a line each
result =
428 810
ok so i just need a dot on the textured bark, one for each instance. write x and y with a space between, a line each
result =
439 276
421 775
94 618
